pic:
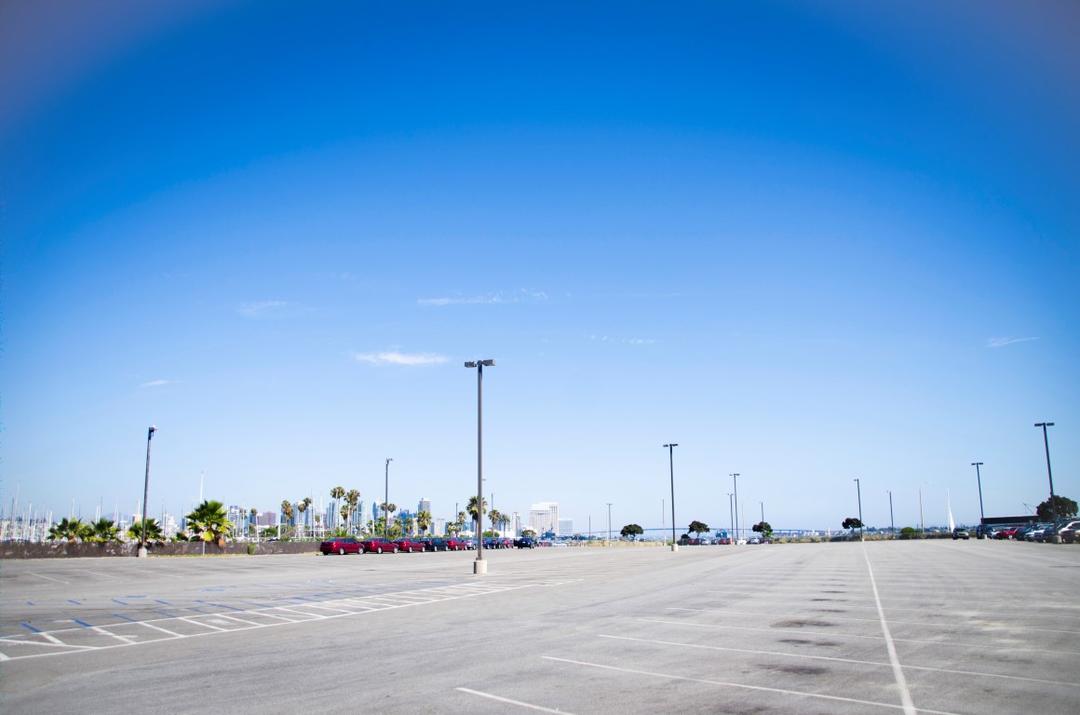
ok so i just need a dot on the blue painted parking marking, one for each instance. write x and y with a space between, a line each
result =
162 601
81 622
126 618
29 627
122 603
72 600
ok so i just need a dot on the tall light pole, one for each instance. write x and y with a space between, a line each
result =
480 566
731 507
922 524
146 491
609 521
386 500
762 512
858 490
978 479
1046 444
671 465
892 524
735 481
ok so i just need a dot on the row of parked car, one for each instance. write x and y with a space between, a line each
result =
1063 531
379 545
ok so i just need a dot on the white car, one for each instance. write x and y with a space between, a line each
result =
741 542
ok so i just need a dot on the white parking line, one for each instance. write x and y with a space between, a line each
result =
898 672
837 659
530 706
742 686
159 628
122 639
47 578
200 623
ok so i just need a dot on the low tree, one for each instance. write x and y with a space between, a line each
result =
852 523
531 533
908 532
102 531
209 522
153 531
697 527
763 528
70 529
1059 507
631 531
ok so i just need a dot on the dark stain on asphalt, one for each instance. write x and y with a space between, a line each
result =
806 641
801 622
799 669
830 610
827 591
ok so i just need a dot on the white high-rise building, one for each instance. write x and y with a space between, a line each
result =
544 517
424 505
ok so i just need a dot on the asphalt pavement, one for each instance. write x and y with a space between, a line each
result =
935 626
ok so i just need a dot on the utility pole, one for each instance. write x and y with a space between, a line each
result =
858 490
731 508
480 566
978 478
735 482
142 552
609 522
671 464
1046 444
892 524
922 524
386 500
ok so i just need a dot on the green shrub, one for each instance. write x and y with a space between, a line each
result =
908 532
251 549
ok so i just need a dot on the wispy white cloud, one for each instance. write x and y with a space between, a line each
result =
621 341
1002 342
396 358
260 308
520 296
155 383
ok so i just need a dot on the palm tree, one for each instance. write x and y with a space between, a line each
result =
388 510
287 514
302 506
209 522
423 521
70 529
477 515
408 523
353 500
102 531
254 513
496 516
153 531
335 494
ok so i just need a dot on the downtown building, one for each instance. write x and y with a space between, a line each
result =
544 517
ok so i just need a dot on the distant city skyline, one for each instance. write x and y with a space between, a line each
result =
807 243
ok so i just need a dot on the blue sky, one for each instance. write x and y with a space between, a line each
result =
807 242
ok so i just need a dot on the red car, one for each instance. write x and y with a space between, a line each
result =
379 545
455 544
409 546
1009 533
340 546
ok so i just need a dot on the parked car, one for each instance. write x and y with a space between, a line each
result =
379 545
1068 532
456 544
1038 533
410 545
435 543
959 533
1006 533
723 541
754 540
1056 534
340 546
525 542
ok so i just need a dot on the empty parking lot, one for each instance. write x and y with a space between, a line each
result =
973 627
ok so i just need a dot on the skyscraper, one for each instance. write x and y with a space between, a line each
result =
544 517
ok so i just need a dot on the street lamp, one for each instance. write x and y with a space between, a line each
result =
978 478
146 492
858 490
1046 444
671 464
386 501
609 522
735 481
479 565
